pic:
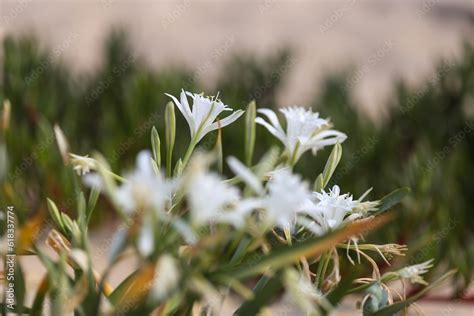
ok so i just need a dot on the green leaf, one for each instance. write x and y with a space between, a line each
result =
392 199
93 197
81 211
267 162
311 247
178 169
16 309
331 164
68 223
134 288
38 302
170 135
398 306
55 215
318 183
264 291
250 131
218 151
156 146
339 292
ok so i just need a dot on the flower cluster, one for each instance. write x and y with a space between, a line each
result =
197 230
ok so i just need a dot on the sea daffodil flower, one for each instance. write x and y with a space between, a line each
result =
305 130
202 117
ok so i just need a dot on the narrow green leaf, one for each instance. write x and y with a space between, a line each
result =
156 146
55 215
16 309
170 134
311 247
178 169
398 306
267 162
339 292
392 199
68 223
264 291
19 284
81 210
38 302
250 131
318 183
332 163
93 197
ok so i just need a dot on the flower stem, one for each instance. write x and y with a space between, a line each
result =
189 152
322 267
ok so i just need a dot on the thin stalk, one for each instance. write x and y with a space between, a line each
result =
322 266
189 152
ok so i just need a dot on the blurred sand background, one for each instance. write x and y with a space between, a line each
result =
382 39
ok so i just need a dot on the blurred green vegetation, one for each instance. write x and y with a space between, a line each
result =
425 141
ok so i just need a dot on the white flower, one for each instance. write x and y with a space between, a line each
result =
146 240
213 201
93 180
144 189
166 279
82 164
245 174
305 130
286 194
330 210
414 272
201 119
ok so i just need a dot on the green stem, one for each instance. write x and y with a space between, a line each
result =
322 267
189 152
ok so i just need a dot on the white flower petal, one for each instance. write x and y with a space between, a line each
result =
145 243
272 117
281 136
186 113
245 174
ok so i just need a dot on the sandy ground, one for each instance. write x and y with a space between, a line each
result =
383 39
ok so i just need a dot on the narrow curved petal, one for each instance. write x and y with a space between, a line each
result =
183 111
272 117
222 123
245 174
277 133
184 102
144 162
326 138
